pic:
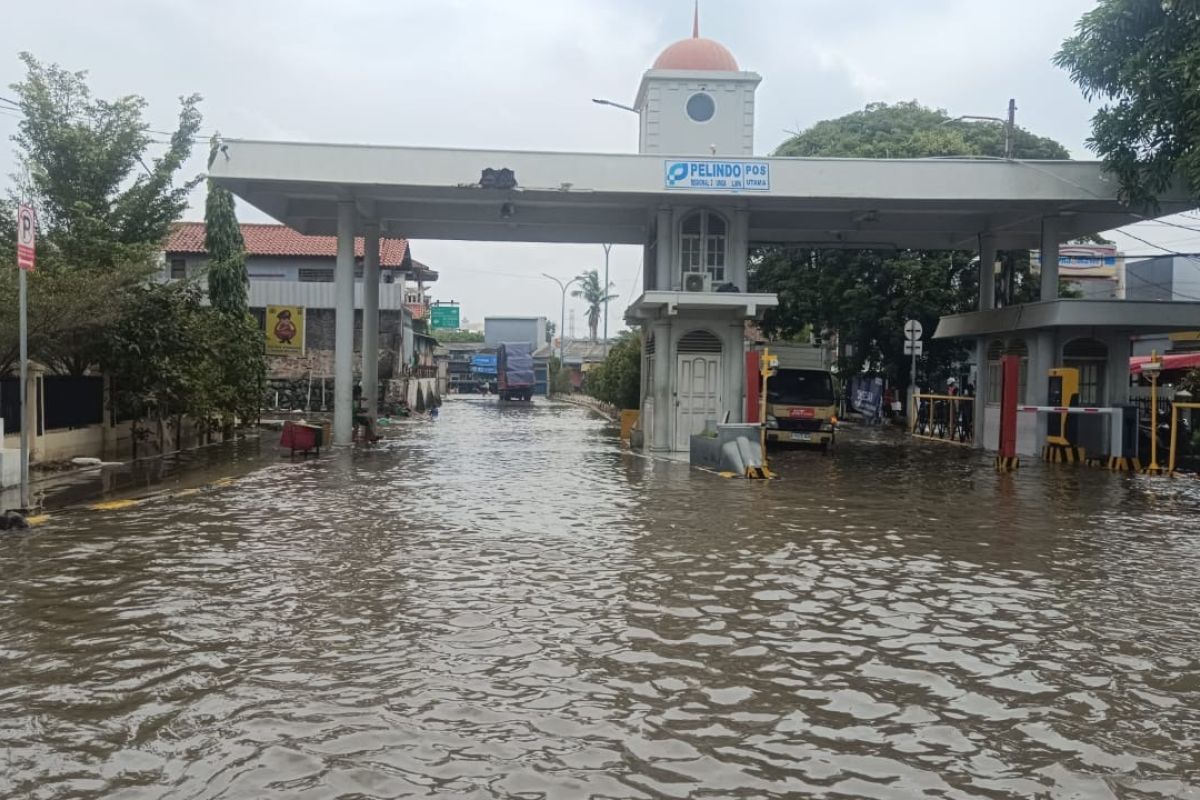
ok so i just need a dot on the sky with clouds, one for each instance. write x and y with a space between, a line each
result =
520 74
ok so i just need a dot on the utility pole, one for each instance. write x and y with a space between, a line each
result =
1010 129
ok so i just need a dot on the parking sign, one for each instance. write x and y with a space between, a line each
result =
26 237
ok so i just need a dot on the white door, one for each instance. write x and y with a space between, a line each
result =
698 394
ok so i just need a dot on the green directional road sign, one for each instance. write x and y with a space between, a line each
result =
443 318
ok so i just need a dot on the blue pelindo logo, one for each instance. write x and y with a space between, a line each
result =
677 171
714 175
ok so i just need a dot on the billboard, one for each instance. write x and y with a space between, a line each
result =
285 330
1084 260
443 317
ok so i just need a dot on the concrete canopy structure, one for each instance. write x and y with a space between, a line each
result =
693 198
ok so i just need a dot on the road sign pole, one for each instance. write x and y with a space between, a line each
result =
912 387
23 322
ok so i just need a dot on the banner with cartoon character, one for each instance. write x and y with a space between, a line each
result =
285 330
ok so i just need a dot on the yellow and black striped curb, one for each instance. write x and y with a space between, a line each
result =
123 503
1063 454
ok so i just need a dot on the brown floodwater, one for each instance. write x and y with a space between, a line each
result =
505 604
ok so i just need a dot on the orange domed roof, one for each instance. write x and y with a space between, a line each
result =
697 54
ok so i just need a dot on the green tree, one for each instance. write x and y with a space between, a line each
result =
911 130
595 296
1142 57
104 206
165 356
242 370
551 327
866 295
227 278
618 379
468 337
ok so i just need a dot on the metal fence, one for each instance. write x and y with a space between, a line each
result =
66 402
10 404
949 418
72 401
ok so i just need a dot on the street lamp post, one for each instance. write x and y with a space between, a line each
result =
607 250
562 320
1010 125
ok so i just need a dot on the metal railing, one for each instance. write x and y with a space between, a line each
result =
944 417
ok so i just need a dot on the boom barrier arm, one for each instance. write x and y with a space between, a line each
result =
1116 443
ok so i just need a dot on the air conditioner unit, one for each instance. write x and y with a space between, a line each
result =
697 282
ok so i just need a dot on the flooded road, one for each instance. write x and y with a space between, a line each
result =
503 604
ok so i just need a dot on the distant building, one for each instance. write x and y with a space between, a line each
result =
1170 278
514 329
289 269
1093 271
1166 279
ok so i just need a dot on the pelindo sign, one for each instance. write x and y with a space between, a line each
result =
721 176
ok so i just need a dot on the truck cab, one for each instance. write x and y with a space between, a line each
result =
801 402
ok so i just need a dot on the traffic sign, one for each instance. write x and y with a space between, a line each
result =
916 348
913 330
26 237
444 317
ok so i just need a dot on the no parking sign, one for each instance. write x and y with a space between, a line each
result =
26 237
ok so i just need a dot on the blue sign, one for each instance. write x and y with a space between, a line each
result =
483 364
866 395
719 176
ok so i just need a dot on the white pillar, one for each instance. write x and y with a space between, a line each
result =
735 370
1049 258
664 405
739 250
1042 359
664 252
987 271
343 351
370 341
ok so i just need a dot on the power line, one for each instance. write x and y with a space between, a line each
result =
1098 196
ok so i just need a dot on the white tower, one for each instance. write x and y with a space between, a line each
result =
695 100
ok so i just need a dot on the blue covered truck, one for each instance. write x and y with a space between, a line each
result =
514 371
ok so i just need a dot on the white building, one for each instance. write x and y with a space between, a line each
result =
695 198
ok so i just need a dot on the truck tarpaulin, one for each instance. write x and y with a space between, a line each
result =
516 363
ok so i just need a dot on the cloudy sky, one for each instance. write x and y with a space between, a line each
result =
521 74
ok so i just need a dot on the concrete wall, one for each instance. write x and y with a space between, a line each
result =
109 442
665 126
319 332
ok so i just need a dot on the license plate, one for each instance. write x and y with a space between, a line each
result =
801 437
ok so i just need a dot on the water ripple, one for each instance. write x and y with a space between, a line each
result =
503 604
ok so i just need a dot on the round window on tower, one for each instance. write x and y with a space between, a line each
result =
701 107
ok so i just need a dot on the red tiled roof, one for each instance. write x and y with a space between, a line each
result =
280 240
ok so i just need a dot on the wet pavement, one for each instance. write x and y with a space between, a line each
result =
505 604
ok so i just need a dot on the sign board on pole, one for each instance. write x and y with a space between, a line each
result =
285 330
444 317
26 237
916 348
913 330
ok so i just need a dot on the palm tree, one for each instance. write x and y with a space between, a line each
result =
595 296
